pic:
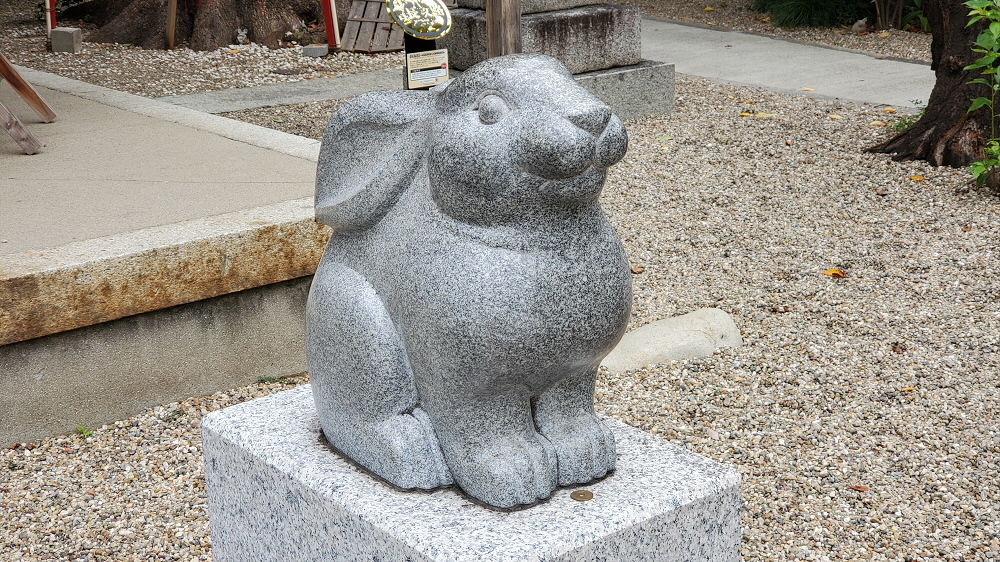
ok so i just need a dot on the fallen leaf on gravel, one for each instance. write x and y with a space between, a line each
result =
917 178
808 89
233 51
838 31
835 116
709 9
836 273
907 389
879 124
745 114
859 488
889 110
638 268
885 34
765 19
763 115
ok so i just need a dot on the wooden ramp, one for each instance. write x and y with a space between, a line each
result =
369 29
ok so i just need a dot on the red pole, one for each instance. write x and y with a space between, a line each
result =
330 19
50 16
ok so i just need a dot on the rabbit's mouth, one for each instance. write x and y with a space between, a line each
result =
581 188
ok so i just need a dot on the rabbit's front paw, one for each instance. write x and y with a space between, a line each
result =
584 446
512 470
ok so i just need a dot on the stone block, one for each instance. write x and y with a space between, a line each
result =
689 336
277 492
315 50
585 39
66 40
533 6
634 91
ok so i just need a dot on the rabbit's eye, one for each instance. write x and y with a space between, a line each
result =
491 109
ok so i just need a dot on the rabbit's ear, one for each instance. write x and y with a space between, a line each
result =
371 151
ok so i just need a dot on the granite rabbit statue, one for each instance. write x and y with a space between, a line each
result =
472 284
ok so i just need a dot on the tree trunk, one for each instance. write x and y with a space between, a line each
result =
206 24
947 134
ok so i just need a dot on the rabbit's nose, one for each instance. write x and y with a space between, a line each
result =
591 118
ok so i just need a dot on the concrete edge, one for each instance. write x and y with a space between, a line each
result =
255 135
288 93
102 279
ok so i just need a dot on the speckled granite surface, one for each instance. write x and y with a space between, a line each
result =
277 492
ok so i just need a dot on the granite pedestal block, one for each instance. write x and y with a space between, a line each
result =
585 39
277 492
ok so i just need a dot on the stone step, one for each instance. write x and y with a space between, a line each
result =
585 39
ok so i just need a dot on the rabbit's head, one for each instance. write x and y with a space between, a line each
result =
511 138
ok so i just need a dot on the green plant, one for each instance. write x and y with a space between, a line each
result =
915 18
907 121
987 45
84 431
267 380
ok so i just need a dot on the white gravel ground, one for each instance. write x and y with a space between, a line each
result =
863 412
737 15
156 73
303 119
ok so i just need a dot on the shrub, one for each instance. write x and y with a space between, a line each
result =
814 13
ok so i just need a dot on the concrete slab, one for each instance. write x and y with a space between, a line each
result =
106 170
285 93
785 66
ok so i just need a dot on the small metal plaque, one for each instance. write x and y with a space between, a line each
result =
582 495
423 19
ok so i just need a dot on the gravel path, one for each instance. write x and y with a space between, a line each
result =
862 412
303 119
156 73
737 15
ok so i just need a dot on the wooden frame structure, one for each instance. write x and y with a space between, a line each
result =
21 135
370 29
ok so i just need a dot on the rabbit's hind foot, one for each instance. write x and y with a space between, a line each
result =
491 446
585 448
401 450
584 445
511 471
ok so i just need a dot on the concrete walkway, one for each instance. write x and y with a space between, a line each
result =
106 170
786 66
727 56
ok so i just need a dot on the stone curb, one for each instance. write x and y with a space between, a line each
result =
102 279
